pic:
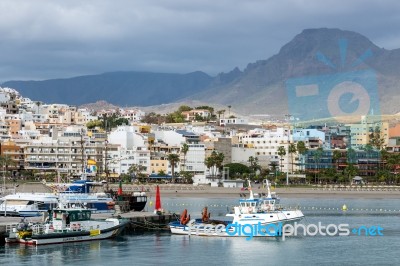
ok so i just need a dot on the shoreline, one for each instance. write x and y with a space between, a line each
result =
188 191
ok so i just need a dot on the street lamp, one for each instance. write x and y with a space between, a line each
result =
4 177
288 117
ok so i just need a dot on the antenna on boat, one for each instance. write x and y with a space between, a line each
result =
268 188
251 191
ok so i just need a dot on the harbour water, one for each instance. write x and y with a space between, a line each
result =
162 248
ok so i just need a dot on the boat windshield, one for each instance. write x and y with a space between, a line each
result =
248 204
269 202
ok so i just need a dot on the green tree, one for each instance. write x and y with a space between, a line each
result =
281 153
292 150
274 166
173 159
187 176
336 156
93 124
375 138
161 173
214 162
184 108
317 158
153 118
6 162
184 151
219 113
237 169
350 171
137 171
302 150
351 156
254 165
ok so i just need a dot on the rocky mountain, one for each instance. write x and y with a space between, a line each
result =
261 88
118 88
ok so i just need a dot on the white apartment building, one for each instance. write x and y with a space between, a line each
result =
133 115
132 150
66 152
122 159
83 116
266 142
241 153
233 121
170 137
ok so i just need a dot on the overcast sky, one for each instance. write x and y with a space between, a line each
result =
65 38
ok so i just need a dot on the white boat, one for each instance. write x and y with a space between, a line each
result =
27 204
65 224
253 216
34 204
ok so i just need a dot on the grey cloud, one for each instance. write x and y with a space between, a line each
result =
52 39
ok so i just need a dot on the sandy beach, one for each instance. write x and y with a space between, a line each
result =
183 191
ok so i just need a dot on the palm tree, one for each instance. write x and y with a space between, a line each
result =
351 155
6 161
173 159
336 156
184 150
317 157
209 162
38 104
254 165
219 113
281 153
136 170
302 150
350 171
219 158
273 166
292 149
214 162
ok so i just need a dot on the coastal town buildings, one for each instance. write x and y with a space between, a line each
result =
43 138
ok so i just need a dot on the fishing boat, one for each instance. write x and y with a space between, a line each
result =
258 216
65 224
136 201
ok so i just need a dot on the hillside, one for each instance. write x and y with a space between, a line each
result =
118 88
261 88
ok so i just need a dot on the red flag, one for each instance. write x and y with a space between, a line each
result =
120 188
158 199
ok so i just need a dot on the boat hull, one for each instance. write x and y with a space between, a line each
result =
248 228
67 237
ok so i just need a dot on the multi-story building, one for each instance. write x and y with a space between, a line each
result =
361 133
66 152
132 149
14 152
266 143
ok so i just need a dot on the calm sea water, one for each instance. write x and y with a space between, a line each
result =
161 248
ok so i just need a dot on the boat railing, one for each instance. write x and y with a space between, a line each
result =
11 227
38 229
287 208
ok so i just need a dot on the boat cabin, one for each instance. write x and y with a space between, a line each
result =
248 205
65 218
267 204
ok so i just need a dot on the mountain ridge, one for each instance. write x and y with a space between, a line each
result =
258 88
